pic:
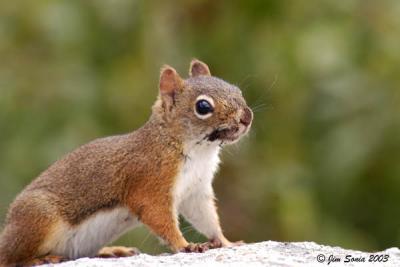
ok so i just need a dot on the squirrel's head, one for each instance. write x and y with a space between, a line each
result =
202 108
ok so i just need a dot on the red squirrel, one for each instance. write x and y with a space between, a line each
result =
150 176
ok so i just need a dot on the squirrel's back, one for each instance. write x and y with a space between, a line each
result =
95 176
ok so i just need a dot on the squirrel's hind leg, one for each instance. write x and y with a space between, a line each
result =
49 259
116 252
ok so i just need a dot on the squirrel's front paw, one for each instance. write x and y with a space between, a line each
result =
192 247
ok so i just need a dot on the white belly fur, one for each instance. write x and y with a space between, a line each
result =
88 237
197 172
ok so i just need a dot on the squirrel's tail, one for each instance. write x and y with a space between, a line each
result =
12 249
3 251
25 231
3 261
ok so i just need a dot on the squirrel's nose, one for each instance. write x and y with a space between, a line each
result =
247 116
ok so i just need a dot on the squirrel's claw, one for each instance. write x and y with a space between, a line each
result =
195 247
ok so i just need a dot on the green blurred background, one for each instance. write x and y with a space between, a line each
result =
322 160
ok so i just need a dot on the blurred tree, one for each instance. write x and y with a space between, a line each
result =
321 161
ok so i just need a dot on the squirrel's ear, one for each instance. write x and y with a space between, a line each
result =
170 82
198 68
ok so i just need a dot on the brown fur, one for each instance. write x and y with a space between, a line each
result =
136 170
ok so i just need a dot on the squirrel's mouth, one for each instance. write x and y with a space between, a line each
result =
227 135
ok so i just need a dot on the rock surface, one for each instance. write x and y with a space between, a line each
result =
267 253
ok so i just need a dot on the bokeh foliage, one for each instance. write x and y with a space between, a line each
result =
322 160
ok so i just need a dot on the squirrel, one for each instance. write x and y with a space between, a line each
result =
150 176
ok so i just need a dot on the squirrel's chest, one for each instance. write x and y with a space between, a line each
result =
197 171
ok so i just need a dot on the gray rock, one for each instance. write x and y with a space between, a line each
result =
267 253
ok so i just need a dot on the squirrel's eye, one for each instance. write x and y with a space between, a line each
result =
204 107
